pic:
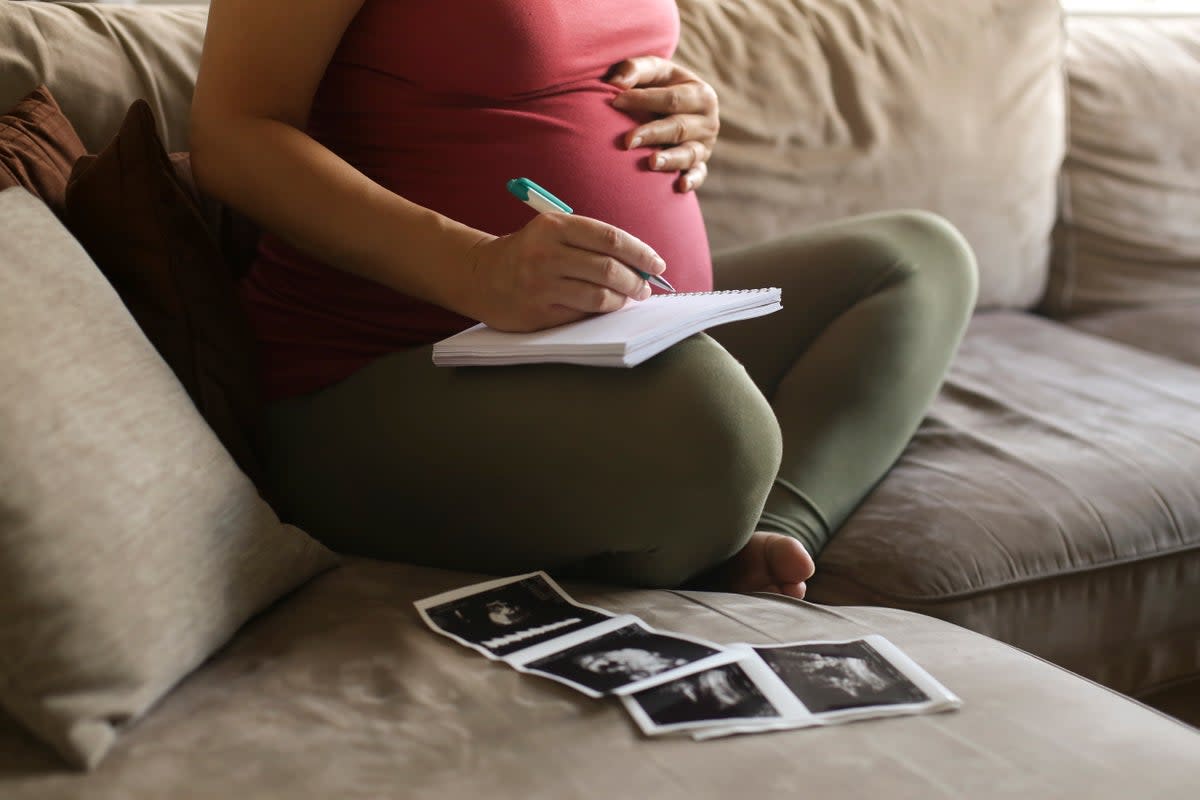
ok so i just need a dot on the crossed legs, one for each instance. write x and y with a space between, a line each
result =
747 454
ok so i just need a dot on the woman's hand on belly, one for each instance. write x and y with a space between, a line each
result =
557 269
688 115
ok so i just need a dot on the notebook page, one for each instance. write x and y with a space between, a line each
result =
623 338
629 324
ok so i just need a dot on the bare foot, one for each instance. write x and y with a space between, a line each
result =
770 562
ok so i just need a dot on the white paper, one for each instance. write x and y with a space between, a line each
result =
622 338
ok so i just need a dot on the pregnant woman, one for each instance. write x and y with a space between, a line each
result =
373 139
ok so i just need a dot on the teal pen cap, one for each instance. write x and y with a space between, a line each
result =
542 201
529 192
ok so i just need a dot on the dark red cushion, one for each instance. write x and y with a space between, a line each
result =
141 225
38 148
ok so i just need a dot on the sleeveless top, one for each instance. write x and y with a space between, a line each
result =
442 103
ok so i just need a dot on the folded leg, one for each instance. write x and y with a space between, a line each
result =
873 310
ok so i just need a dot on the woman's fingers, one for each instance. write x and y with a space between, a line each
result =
583 263
584 233
686 156
648 71
688 119
588 298
557 268
690 97
673 130
607 273
691 180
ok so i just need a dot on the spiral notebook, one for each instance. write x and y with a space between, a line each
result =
623 338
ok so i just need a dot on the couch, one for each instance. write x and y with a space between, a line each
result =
1051 497
1048 507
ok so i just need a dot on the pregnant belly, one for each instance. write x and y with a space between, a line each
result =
316 325
457 161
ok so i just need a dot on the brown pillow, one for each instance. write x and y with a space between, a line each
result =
236 235
142 227
38 147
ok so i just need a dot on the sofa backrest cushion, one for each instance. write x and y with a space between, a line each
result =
1129 233
97 59
829 108
131 546
837 107
38 147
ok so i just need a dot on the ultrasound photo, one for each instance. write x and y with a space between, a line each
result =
512 617
722 693
621 657
836 676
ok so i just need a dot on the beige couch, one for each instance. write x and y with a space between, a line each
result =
1052 497
1050 501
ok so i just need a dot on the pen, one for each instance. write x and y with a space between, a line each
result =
541 201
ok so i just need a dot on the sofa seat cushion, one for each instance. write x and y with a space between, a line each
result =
1169 329
343 692
1050 500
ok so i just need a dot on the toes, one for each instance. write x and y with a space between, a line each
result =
788 562
793 590
770 562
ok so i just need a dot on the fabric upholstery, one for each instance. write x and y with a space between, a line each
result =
831 108
131 546
1168 329
142 227
1049 500
97 59
38 147
343 692
1129 233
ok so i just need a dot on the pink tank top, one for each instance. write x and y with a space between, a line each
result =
442 103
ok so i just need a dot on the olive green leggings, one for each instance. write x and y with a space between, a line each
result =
650 475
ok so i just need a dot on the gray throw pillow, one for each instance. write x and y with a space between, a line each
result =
131 546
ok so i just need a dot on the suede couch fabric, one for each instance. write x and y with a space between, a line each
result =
97 59
131 546
832 108
1129 233
1168 329
141 225
1050 500
38 147
333 674
343 692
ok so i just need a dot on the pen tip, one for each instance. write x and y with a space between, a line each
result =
662 283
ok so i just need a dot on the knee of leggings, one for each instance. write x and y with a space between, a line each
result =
726 458
939 256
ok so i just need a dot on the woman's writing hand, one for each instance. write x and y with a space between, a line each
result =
688 123
557 269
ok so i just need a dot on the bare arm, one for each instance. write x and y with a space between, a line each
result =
261 65
260 68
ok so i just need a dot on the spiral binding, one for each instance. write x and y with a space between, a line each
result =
720 291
